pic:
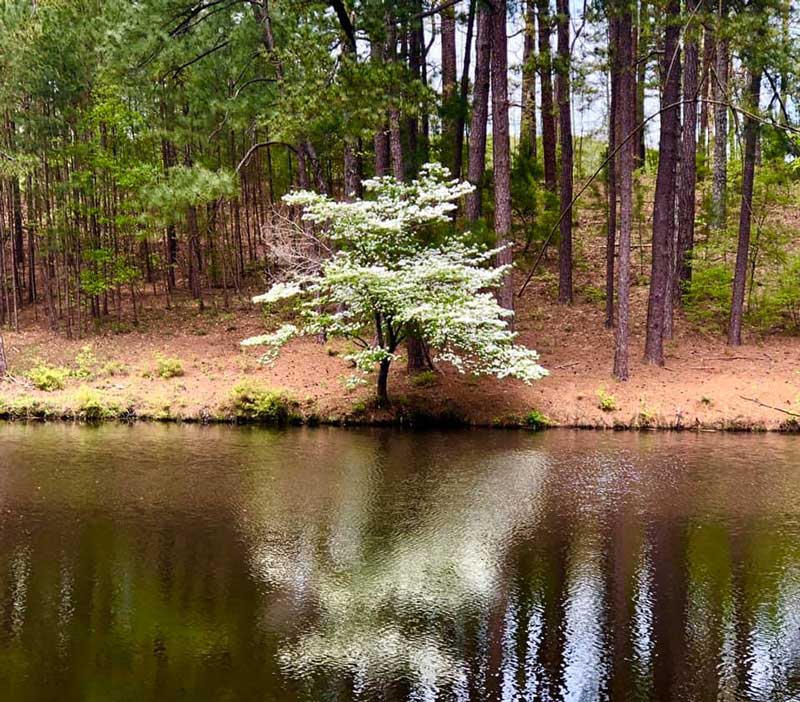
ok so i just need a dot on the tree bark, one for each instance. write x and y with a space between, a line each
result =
480 111
464 93
664 202
383 384
642 38
688 175
352 170
613 127
546 83
381 140
449 86
3 361
565 139
396 144
707 79
719 185
501 149
746 212
528 130
625 115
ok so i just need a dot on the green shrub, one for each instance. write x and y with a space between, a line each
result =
536 420
90 405
48 378
25 407
708 297
424 379
168 367
114 368
606 401
253 403
86 362
359 407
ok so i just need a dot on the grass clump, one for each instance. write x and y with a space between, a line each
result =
86 362
48 378
253 403
168 367
90 405
424 379
606 401
113 368
25 407
536 420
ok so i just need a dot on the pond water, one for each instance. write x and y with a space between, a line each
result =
212 563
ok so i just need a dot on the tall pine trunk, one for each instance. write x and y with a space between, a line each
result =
688 175
565 140
381 139
449 87
626 116
664 202
719 183
458 164
746 212
480 111
546 83
613 126
501 148
528 131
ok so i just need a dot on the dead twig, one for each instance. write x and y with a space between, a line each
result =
772 407
566 365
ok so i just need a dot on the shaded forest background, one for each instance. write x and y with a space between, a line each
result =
146 146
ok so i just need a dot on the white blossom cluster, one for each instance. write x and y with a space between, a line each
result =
384 283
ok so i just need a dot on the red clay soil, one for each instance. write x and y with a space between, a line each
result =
704 385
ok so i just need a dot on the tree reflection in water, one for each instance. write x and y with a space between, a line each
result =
155 563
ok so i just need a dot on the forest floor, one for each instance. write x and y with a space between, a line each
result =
704 385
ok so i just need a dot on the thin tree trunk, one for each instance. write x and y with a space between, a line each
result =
688 174
381 141
449 87
464 93
501 149
611 230
546 83
707 79
664 201
352 171
565 138
396 144
626 115
480 111
642 38
719 185
746 212
3 361
528 130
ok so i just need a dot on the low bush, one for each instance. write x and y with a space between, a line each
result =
253 403
424 379
536 420
90 405
606 401
168 367
48 378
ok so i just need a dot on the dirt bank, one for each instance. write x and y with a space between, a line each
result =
705 384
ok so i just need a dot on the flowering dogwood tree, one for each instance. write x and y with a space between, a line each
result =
384 283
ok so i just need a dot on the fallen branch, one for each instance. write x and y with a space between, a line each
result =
762 404
730 358
566 365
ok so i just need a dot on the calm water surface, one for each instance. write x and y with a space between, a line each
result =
185 563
